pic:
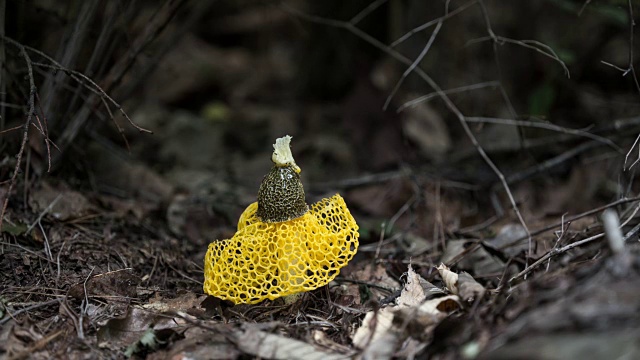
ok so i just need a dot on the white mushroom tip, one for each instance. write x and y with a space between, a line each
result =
282 153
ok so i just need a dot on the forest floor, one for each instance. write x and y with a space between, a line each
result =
103 257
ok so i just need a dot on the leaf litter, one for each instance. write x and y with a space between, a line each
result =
107 261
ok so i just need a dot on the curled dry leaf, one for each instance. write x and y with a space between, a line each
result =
449 277
419 322
374 327
377 323
413 293
383 330
468 288
480 260
321 339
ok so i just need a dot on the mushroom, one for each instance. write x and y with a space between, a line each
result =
282 246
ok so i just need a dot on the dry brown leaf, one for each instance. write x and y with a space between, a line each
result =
374 327
116 285
374 336
419 322
412 294
60 202
449 277
445 304
468 288
158 315
321 339
381 332
505 236
198 343
375 274
259 343
16 342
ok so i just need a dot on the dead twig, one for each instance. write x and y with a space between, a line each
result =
555 252
417 29
629 70
417 61
25 135
534 45
96 89
28 308
546 126
37 346
427 97
572 219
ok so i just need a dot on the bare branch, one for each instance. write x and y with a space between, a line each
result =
460 89
453 13
413 65
547 126
450 105
366 11
25 135
96 89
535 45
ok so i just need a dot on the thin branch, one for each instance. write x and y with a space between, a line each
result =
460 89
630 69
584 6
550 163
453 13
11 129
366 11
555 252
610 226
487 21
572 219
96 89
75 75
28 308
413 65
535 45
25 135
546 126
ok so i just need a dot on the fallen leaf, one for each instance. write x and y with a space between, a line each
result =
199 343
159 315
321 339
374 274
468 288
60 202
419 322
251 340
377 323
480 260
449 277
413 293
506 235
426 128
111 285
382 331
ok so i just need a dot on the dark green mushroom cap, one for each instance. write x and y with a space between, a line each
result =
281 195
